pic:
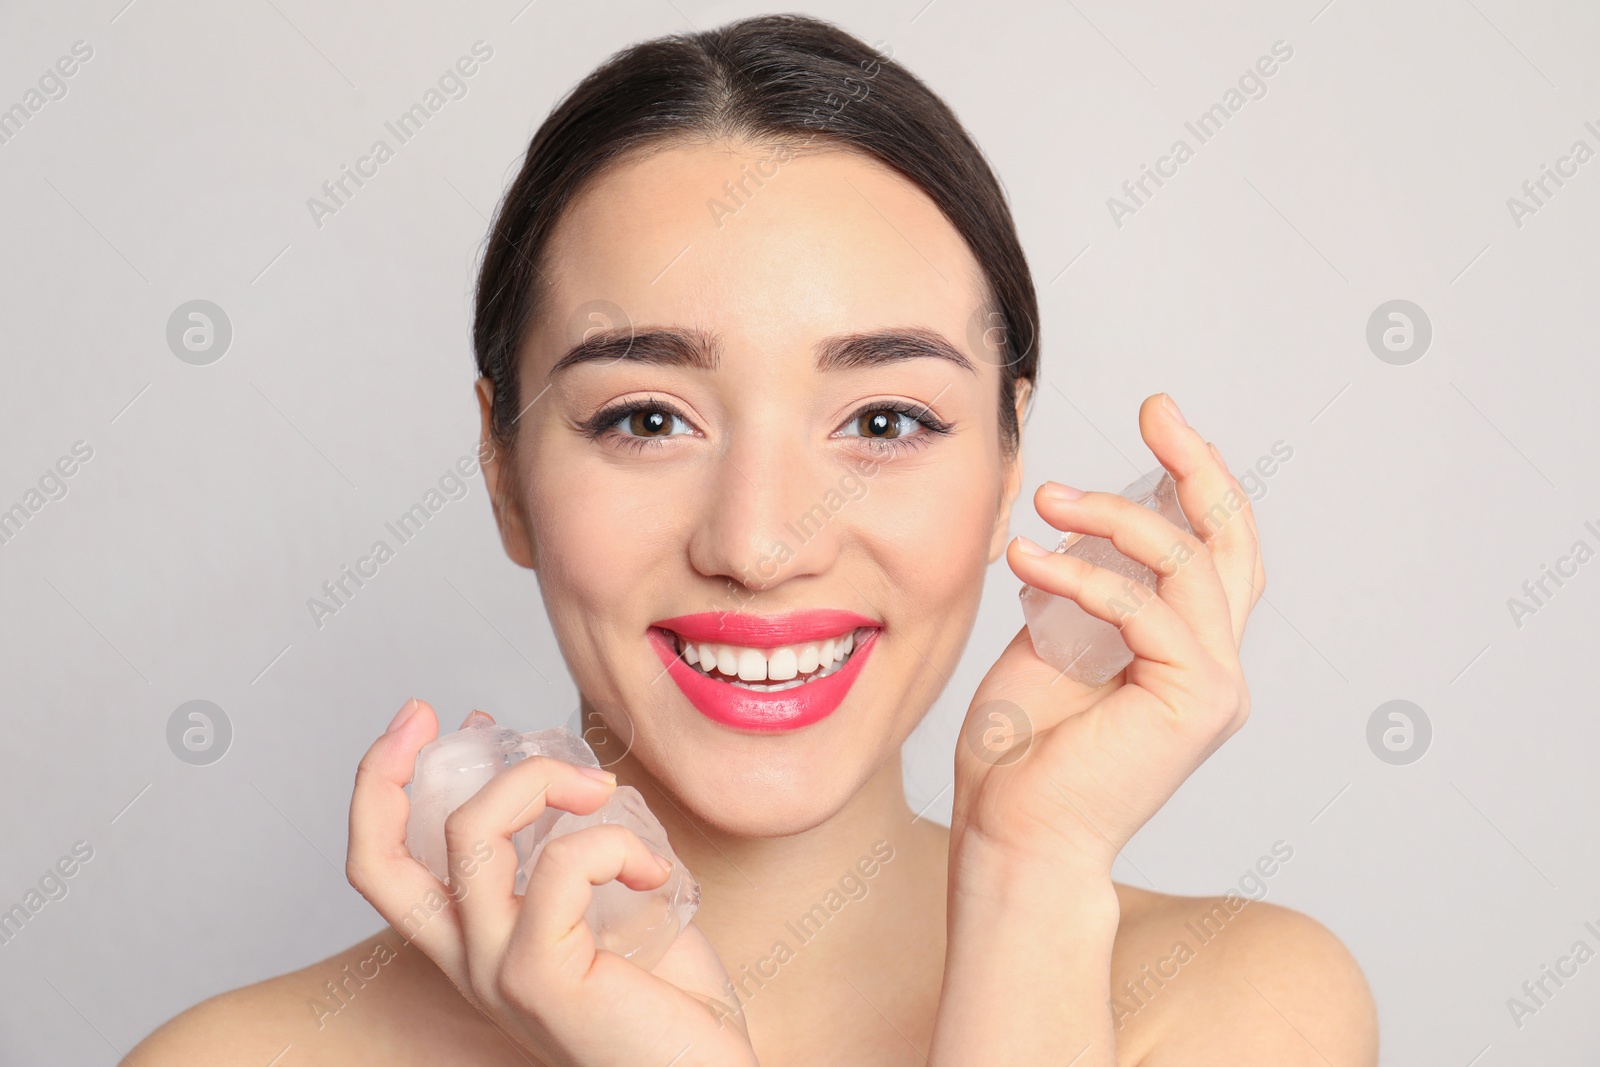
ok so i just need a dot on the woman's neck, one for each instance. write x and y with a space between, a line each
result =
860 896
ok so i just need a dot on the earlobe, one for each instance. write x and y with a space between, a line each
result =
498 480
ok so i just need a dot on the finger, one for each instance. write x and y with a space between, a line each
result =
377 864
563 880
1150 626
476 716
1245 555
482 859
1216 507
1188 578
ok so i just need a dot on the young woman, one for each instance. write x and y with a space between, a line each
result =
755 337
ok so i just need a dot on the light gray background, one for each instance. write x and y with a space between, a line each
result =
1418 499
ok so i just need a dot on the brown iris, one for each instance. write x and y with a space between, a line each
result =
651 422
882 425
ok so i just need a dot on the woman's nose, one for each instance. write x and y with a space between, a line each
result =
768 516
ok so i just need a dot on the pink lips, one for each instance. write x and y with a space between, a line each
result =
748 709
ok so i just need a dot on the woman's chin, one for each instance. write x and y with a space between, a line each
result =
761 821
756 790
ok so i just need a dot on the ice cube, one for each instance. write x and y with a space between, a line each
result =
1088 649
452 767
637 924
449 770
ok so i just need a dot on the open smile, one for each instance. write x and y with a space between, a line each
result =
765 672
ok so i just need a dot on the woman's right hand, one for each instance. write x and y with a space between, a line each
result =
530 963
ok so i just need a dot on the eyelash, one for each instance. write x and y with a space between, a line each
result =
932 426
603 424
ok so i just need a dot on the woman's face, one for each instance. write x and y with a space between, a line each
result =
781 433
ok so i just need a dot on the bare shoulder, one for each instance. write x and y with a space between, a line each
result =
378 1001
1227 980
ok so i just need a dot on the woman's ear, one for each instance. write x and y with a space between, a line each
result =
1013 478
499 480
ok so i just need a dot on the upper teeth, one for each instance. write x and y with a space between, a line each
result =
780 664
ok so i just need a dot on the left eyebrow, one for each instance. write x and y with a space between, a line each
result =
677 347
887 346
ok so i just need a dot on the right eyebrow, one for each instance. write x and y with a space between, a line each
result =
676 347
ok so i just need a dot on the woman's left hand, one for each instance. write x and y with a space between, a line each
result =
1076 771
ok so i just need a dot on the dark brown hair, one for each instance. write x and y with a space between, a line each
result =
785 80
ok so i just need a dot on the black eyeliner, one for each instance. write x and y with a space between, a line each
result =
922 414
609 416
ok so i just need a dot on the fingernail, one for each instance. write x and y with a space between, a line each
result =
474 717
597 774
664 863
1030 547
1172 406
406 711
1061 492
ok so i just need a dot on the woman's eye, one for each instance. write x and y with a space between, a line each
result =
882 424
650 422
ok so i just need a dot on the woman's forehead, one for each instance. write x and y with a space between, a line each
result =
747 240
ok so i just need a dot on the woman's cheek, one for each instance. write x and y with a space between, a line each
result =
606 533
932 525
576 535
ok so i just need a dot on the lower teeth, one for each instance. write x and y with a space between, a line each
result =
754 687
777 687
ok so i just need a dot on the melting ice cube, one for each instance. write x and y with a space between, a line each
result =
639 925
1088 649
